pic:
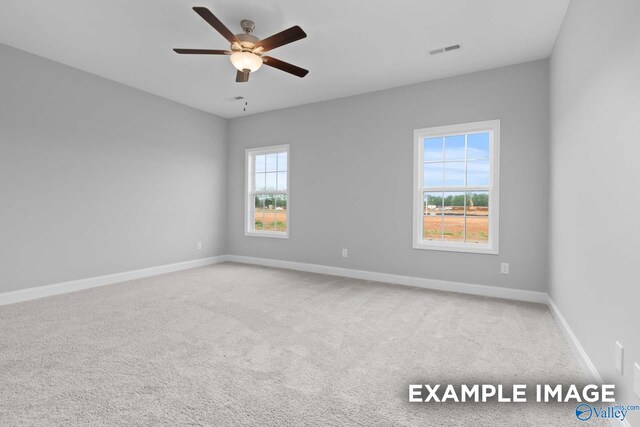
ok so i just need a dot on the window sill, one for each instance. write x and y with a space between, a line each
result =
271 234
452 247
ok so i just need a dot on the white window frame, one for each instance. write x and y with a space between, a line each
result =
250 154
492 247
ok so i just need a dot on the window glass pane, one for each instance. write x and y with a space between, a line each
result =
270 213
270 181
281 202
258 212
281 212
282 181
269 203
478 146
453 220
454 173
432 203
260 181
453 203
282 161
432 218
269 220
454 147
260 163
433 227
272 162
433 174
433 149
478 172
477 217
453 229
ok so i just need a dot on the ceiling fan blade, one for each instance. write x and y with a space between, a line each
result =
242 76
284 66
216 23
202 51
284 37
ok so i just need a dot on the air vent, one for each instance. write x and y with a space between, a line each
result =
445 49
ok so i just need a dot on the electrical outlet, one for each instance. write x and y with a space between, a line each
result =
504 268
199 246
636 379
618 358
345 253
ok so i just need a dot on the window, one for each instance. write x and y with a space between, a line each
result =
267 195
456 187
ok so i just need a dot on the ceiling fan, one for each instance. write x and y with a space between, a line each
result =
247 50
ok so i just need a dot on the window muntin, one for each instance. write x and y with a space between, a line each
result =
456 188
267 192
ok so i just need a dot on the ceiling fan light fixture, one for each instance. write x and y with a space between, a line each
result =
246 61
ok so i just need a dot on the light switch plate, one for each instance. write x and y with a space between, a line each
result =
619 356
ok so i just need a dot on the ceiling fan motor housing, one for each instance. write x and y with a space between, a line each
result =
247 42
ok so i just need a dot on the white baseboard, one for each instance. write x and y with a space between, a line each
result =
441 285
92 282
585 363
579 352
418 282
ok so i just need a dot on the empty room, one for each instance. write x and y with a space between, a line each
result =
330 213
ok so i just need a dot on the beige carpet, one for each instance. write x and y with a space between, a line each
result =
233 344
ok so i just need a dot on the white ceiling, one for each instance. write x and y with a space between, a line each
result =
353 46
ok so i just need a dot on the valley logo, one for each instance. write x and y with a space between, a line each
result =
585 412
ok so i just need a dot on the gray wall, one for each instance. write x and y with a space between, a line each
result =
98 178
356 154
595 150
